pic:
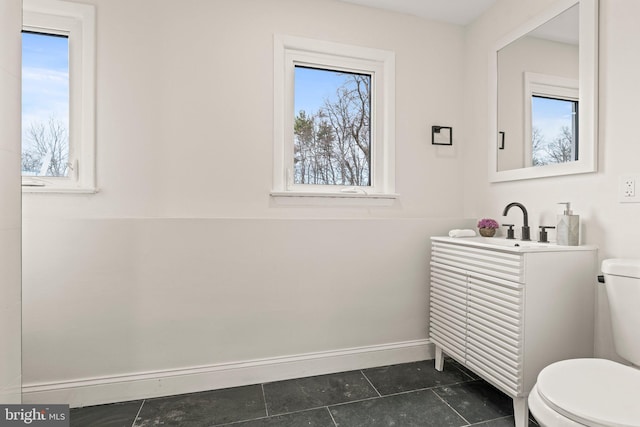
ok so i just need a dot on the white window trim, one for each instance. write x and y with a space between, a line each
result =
290 51
545 85
78 22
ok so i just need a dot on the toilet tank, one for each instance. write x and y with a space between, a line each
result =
622 282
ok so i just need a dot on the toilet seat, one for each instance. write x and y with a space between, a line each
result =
592 392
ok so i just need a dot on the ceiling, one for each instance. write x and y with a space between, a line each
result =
564 28
460 12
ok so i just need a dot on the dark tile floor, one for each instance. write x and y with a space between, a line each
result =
410 394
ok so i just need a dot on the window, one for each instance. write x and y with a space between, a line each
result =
334 120
332 127
45 90
58 107
551 119
556 140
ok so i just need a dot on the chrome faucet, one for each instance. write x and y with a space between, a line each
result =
525 227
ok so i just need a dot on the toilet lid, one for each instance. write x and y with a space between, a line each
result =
594 392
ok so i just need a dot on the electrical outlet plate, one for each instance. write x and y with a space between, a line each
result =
628 191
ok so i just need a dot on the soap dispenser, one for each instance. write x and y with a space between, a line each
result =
568 229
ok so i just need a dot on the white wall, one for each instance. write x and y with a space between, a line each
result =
612 226
10 294
182 260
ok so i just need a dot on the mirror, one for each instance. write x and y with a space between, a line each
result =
543 95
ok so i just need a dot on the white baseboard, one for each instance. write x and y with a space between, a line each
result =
94 391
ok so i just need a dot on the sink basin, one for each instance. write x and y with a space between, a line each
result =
511 245
501 241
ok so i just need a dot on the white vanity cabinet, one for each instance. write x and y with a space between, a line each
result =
506 311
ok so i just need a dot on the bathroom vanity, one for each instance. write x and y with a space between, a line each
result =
505 309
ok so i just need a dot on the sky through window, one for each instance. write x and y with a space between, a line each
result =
45 95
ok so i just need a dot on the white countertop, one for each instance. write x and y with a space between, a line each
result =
511 245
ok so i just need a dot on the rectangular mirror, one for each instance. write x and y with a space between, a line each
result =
543 95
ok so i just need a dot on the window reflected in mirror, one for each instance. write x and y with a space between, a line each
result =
551 119
554 130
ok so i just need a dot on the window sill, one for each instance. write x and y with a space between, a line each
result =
301 198
29 187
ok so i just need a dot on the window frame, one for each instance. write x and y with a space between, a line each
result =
77 22
290 51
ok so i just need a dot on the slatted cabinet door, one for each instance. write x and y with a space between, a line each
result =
448 326
495 330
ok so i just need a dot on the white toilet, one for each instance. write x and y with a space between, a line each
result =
598 392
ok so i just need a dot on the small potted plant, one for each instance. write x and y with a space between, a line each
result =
487 227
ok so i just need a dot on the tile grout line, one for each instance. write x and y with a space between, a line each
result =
333 404
370 383
447 403
493 419
331 415
232 423
385 396
138 413
264 399
421 389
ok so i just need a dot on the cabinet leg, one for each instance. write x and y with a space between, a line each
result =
521 411
439 359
